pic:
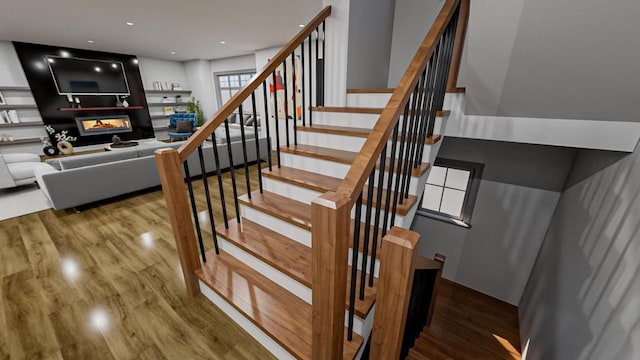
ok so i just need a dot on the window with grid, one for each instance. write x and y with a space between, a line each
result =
451 191
229 84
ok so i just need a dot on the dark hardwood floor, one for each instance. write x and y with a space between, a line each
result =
468 325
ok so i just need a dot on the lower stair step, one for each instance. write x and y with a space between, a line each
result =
340 156
323 183
286 255
352 131
295 212
281 315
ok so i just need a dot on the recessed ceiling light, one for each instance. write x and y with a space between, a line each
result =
51 60
64 53
173 53
97 69
90 41
115 66
223 42
129 23
135 61
301 25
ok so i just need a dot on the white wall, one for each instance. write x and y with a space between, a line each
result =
412 21
583 299
370 33
520 187
232 64
162 70
11 73
200 79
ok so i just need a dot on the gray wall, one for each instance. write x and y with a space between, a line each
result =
370 30
412 21
518 194
583 298
572 59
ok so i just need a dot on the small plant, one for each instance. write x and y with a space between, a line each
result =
193 107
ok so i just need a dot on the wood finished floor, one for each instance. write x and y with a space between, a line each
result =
468 325
106 284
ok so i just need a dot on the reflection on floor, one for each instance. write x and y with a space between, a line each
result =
22 200
469 325
106 284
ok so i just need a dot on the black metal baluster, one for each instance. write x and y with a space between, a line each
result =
295 95
324 58
367 232
318 79
232 170
266 122
396 190
302 89
428 107
419 117
354 266
406 174
389 187
275 115
257 138
205 182
286 101
244 153
216 158
194 209
310 83
376 222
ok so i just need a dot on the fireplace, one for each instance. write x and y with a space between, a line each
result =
100 125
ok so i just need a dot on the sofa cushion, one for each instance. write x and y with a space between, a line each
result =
234 134
22 170
72 162
148 151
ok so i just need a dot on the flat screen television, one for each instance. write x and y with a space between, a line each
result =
76 76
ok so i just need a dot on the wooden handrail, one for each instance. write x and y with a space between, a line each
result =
456 57
236 100
372 148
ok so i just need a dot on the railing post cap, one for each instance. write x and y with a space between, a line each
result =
331 200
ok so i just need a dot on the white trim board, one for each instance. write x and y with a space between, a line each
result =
588 134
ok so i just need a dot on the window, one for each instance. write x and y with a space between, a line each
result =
229 84
451 191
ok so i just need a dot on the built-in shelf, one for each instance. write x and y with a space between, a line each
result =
18 107
102 108
14 88
21 141
155 117
23 124
168 92
168 104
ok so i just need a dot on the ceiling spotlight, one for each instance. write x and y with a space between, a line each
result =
97 69
173 53
115 66
50 60
223 42
64 53
129 23
135 61
301 25
90 41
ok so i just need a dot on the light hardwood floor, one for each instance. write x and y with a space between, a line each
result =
106 284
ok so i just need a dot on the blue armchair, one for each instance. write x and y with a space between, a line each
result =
184 125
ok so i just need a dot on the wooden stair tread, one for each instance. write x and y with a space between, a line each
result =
345 109
371 91
282 315
281 208
352 131
341 156
323 183
287 256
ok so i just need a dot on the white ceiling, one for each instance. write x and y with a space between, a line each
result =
191 28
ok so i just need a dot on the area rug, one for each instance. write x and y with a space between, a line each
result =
22 200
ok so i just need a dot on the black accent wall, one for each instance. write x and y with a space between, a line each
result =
43 88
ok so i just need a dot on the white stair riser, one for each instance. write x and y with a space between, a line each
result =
358 120
372 100
331 168
307 196
284 228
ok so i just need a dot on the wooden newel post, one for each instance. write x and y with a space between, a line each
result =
330 219
399 249
175 195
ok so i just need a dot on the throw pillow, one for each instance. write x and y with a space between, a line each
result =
184 127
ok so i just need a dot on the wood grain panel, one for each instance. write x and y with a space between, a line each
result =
400 247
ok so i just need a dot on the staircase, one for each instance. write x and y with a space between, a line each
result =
310 254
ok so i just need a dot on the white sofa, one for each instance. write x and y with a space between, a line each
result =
18 169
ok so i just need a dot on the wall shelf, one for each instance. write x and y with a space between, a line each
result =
18 107
23 124
168 91
14 88
101 108
168 104
21 141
